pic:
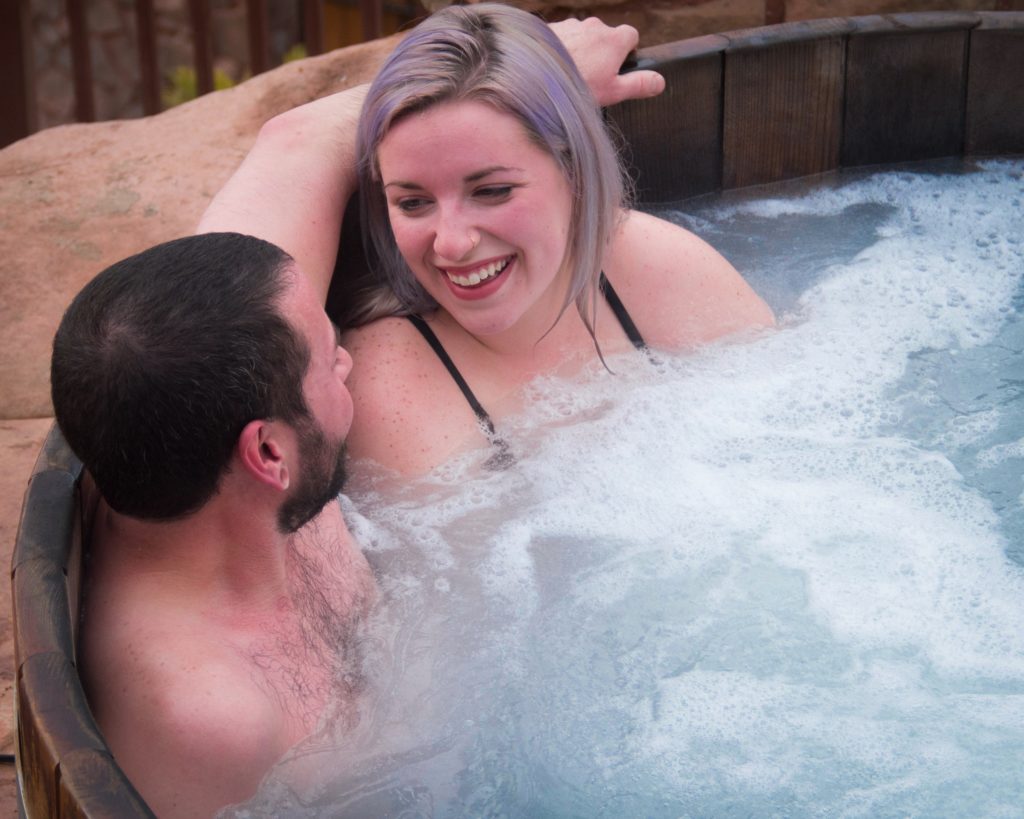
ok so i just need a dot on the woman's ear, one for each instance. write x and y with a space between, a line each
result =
262 450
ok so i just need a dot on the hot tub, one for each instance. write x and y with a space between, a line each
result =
743 108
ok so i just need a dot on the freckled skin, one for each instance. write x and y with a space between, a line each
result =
203 649
465 186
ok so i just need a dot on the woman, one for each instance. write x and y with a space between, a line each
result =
494 199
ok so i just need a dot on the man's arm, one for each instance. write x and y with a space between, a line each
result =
192 736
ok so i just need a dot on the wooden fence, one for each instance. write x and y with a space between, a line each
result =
17 97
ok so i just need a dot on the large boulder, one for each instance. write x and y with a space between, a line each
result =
76 198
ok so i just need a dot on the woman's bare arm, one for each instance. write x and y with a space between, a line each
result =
292 187
681 291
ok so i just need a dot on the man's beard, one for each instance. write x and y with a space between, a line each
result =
321 480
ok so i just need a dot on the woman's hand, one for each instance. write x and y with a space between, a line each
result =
599 52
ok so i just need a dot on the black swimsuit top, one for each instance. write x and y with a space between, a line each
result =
618 308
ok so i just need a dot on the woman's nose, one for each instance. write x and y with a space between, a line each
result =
454 238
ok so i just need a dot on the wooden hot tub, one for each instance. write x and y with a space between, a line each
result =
742 108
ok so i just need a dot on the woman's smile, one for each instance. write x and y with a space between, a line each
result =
478 281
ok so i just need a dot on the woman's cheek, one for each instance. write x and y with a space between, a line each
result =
405 238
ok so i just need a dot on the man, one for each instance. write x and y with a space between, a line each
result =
202 385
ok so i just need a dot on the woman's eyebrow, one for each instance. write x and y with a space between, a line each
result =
399 183
478 175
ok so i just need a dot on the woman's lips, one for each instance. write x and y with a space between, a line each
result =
477 282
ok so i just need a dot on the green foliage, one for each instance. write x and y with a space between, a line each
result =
296 52
182 85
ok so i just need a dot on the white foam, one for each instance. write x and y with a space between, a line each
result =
765 578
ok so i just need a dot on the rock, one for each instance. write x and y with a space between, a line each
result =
76 198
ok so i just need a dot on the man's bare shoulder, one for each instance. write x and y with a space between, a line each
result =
171 666
180 704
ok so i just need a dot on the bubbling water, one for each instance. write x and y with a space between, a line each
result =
780 577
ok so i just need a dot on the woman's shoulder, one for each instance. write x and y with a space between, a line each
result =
391 342
679 289
388 359
400 389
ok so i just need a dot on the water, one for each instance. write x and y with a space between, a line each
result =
782 577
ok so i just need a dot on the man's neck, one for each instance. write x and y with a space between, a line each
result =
225 548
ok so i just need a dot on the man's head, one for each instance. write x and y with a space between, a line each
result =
162 360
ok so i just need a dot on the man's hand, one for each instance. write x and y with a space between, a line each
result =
599 51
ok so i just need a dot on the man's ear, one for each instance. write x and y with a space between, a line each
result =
263 447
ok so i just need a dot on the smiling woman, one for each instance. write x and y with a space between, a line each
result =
494 201
760 105
481 214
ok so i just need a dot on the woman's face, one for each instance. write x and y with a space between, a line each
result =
481 215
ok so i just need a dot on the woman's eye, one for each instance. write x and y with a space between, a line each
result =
411 204
494 192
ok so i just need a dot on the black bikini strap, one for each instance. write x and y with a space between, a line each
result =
442 353
502 456
619 309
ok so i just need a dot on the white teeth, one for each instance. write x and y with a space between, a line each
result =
481 275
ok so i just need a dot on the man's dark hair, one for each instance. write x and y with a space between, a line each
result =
164 357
